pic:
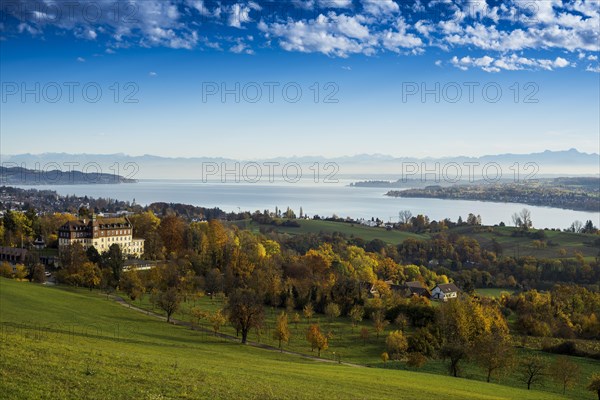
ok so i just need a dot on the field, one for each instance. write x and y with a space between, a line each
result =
350 230
347 346
514 246
519 246
60 343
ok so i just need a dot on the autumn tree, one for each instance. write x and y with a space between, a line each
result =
6 270
296 320
564 372
91 275
364 335
379 322
132 284
39 274
416 360
217 320
70 258
401 321
532 370
356 315
494 353
169 301
385 357
594 384
332 311
172 230
198 314
317 339
308 312
396 344
20 272
282 331
245 310
213 282
146 226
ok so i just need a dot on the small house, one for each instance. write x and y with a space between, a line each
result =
444 292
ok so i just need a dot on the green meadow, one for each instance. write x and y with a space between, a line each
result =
61 343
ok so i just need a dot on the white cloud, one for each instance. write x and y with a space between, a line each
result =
380 7
239 14
335 3
593 68
328 34
509 63
80 59
340 28
152 74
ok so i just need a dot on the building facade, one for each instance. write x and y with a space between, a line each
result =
101 233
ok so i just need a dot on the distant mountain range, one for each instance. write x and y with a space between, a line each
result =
363 166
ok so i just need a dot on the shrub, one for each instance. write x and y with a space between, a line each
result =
416 360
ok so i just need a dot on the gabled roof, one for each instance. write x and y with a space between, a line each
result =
415 284
448 287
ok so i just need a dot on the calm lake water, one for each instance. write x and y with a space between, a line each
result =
322 199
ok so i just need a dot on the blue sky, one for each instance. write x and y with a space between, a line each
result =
370 61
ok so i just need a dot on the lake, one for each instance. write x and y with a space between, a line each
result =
324 199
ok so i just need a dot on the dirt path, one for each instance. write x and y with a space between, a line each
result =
232 338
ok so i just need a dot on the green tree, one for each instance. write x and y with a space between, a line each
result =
113 260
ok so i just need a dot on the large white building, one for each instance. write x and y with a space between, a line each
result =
101 233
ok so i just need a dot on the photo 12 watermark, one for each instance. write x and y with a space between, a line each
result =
269 172
469 92
269 92
69 92
468 171
67 172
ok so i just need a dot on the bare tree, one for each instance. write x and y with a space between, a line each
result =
525 216
532 370
564 372
577 226
404 216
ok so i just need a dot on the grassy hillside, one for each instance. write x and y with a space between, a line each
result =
346 343
512 246
525 246
351 230
69 344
